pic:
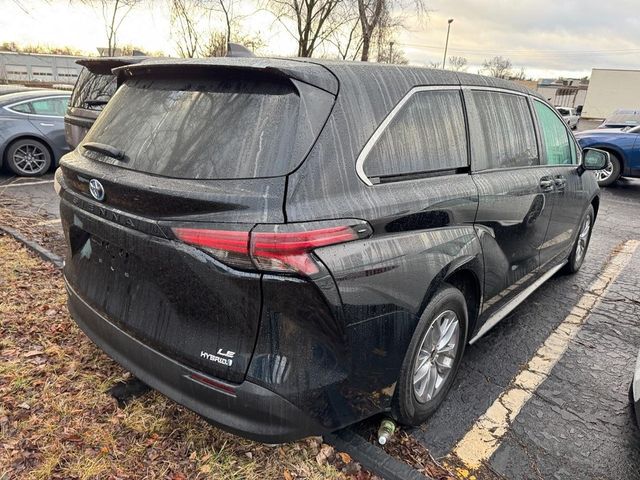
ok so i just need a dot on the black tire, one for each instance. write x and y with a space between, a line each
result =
615 174
406 408
28 158
576 257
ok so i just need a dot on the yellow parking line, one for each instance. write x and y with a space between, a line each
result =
485 436
26 184
48 222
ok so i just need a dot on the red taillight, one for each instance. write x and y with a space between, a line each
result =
280 248
289 251
227 240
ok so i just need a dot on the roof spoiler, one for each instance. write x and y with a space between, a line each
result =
237 50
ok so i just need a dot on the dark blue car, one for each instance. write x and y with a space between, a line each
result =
623 144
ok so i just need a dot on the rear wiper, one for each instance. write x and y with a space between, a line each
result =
95 103
105 149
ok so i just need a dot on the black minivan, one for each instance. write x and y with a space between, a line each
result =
289 246
93 90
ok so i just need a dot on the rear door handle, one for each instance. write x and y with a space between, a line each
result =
46 124
546 184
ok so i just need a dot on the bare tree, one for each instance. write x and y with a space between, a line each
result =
520 74
113 13
457 64
497 67
378 15
184 16
215 46
348 38
392 54
315 21
370 13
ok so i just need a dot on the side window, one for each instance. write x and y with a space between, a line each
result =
502 131
50 106
555 137
22 108
427 134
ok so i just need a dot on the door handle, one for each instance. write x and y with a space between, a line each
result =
560 182
546 184
46 124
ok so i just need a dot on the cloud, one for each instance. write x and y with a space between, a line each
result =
542 36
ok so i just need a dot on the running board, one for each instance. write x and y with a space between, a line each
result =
514 302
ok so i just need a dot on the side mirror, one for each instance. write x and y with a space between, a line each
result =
595 159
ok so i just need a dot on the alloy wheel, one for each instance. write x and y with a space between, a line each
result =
436 356
30 159
583 239
605 173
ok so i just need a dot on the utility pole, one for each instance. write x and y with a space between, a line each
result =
446 44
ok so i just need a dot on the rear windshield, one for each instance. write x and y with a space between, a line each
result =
93 90
218 128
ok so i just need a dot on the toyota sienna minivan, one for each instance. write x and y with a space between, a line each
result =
289 246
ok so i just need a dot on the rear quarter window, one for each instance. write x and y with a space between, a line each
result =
427 134
204 128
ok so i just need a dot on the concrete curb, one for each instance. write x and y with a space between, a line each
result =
35 247
373 458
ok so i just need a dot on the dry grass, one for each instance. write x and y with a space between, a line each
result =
57 422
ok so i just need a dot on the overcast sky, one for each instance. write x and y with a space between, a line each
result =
547 37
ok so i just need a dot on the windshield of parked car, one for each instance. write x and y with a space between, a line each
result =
622 119
564 111
93 90
202 128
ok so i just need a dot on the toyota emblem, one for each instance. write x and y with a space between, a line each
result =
96 189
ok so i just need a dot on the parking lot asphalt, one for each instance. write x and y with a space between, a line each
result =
35 194
577 423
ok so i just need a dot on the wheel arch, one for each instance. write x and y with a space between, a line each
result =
613 149
466 274
595 203
467 281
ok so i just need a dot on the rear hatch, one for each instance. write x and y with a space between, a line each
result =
184 150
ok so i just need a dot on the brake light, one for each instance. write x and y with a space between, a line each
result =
290 251
228 246
274 248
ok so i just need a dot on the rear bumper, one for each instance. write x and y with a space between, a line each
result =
253 411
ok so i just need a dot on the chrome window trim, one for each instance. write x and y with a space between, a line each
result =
385 123
9 109
494 89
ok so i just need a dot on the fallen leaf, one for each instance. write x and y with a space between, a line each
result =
24 405
33 353
345 457
326 452
205 468
287 475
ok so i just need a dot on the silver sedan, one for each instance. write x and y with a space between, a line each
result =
32 131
